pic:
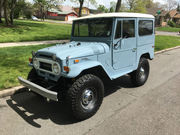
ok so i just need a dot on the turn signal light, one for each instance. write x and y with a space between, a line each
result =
30 60
76 61
66 68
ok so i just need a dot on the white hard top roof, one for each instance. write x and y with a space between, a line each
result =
122 14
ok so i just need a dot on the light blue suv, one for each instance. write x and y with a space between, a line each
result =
103 46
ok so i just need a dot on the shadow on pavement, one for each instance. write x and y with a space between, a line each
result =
32 107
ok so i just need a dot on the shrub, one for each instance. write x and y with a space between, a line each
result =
171 23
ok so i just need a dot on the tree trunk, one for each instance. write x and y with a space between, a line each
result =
1 5
41 12
5 6
118 5
13 4
80 8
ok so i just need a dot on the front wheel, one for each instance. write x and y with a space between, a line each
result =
140 76
85 96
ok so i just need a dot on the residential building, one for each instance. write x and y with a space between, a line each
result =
61 15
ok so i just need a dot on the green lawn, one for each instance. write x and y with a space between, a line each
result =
14 60
25 30
13 63
163 42
168 29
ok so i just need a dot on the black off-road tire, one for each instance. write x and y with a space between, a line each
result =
32 76
75 96
136 76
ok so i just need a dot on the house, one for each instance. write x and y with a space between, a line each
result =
174 16
61 15
159 14
84 12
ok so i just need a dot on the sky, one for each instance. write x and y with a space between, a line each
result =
102 2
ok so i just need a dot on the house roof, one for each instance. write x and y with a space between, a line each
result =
153 11
61 13
54 11
122 14
172 13
66 8
177 16
163 13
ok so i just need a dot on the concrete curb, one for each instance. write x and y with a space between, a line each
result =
14 90
11 91
169 49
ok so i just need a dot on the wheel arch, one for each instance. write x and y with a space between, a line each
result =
88 67
146 55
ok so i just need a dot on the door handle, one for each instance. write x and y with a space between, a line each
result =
134 49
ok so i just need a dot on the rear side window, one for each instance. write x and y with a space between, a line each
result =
145 27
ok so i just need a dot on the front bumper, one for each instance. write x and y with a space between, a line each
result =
38 89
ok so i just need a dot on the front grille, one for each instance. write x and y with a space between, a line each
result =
46 66
45 56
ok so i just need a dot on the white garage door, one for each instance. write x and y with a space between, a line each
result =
70 18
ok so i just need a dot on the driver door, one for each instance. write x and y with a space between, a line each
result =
124 48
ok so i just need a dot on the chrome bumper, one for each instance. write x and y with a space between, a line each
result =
38 89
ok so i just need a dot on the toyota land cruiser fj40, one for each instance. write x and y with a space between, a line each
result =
102 46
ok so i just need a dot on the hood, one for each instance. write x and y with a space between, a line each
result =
76 49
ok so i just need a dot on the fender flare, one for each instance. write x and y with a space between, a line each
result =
76 69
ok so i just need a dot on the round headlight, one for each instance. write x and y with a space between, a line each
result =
56 68
36 63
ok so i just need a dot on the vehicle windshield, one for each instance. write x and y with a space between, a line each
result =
93 28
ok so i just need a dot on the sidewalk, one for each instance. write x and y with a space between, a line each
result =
164 33
2 45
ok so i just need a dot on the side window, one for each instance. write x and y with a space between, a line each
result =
128 28
118 30
145 27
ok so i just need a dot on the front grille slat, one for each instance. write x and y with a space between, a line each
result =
45 56
45 66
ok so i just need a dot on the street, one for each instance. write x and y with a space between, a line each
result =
153 109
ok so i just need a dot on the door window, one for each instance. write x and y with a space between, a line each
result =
118 30
128 28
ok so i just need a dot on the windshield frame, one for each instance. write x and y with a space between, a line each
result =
89 20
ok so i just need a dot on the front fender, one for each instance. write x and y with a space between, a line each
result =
76 69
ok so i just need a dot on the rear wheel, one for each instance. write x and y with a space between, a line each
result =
85 96
140 76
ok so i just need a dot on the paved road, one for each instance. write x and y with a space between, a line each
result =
168 33
153 109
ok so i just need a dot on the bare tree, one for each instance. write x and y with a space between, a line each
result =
12 6
118 5
131 4
171 4
80 7
5 6
81 2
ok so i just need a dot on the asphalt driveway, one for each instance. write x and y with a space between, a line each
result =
153 109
